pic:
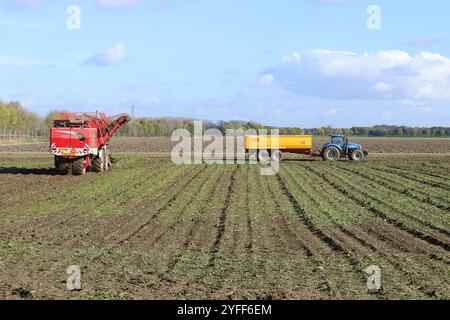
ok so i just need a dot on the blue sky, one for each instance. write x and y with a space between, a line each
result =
304 63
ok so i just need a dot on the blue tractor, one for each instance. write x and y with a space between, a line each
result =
339 147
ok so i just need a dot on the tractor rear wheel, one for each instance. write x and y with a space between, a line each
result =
78 167
356 155
331 154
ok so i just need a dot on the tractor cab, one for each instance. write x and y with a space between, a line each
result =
339 140
339 147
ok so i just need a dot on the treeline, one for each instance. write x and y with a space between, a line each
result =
165 126
375 131
14 117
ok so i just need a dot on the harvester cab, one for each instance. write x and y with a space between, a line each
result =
339 147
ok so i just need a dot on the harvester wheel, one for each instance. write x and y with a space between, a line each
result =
331 154
356 155
62 166
78 167
99 163
65 168
58 162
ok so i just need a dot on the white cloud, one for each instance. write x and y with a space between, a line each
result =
348 75
118 4
111 56
266 80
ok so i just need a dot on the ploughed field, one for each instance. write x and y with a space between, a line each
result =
151 229
165 145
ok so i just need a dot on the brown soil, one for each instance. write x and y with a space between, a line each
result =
164 145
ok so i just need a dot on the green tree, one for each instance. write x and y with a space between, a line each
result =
320 132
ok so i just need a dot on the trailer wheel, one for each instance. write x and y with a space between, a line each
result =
277 155
78 167
263 156
252 155
356 155
331 154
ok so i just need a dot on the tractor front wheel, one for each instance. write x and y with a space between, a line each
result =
356 155
331 154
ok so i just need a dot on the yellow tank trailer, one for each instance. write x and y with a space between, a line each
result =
268 146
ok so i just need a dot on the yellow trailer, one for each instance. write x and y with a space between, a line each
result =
273 146
294 144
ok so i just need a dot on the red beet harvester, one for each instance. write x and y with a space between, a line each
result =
79 141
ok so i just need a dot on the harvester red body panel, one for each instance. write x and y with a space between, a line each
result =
83 135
